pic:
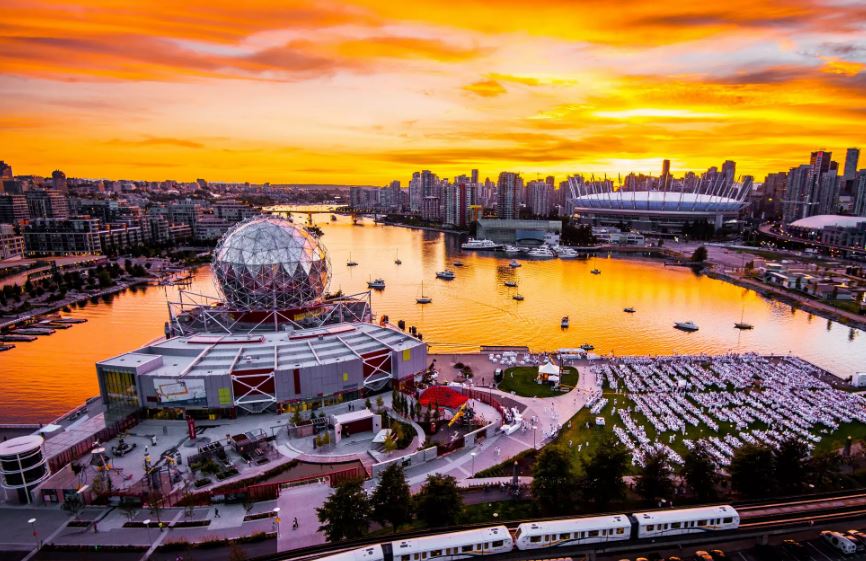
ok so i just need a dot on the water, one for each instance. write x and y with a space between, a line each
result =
43 379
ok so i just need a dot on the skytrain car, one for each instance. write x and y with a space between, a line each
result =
663 523
455 545
573 531
369 553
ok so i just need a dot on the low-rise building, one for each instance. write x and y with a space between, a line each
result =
11 244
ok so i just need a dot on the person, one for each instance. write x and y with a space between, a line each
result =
295 523
216 513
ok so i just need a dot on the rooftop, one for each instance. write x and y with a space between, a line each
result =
823 220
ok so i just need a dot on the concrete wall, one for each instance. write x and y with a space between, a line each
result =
418 458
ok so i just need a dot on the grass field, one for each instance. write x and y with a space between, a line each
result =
521 380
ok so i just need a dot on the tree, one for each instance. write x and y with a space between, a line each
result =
699 255
699 472
791 465
392 499
439 502
654 480
603 472
73 504
825 467
346 513
554 480
752 473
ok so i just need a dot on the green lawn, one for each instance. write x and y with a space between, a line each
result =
521 380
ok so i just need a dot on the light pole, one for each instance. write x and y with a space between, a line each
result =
146 523
534 429
473 463
35 532
277 521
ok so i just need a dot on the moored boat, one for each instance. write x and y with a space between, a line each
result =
564 322
377 284
480 245
629 310
514 264
686 326
447 274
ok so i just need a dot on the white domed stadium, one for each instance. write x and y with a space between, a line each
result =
269 263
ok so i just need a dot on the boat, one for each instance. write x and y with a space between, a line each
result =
377 284
518 297
350 262
6 347
686 326
397 258
511 284
542 252
17 338
458 263
514 263
565 252
743 325
629 310
333 218
35 331
423 299
69 320
447 274
511 249
564 322
587 347
480 245
595 272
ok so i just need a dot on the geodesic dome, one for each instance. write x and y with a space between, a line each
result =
267 263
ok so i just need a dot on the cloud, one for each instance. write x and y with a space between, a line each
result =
486 88
157 141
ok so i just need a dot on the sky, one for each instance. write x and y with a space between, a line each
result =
365 91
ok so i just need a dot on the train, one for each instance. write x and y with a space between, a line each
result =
549 533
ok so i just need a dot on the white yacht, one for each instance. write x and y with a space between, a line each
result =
447 274
510 249
377 284
686 326
514 263
542 252
565 252
480 245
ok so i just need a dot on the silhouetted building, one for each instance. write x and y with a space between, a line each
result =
508 195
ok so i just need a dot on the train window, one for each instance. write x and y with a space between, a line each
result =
728 520
650 527
620 531
564 536
534 539
676 525
702 523
498 543
436 553
593 533
517 535
466 548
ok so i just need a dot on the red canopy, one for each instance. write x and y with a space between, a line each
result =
442 396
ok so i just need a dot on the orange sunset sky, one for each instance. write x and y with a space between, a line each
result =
367 91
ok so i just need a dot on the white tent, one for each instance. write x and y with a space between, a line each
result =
548 369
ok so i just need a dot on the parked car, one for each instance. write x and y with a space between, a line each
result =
858 537
796 549
718 555
840 542
702 555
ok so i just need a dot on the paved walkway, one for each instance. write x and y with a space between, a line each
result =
301 503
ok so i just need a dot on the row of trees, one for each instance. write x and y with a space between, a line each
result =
756 471
347 513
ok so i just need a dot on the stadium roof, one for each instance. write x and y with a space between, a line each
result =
821 221
659 201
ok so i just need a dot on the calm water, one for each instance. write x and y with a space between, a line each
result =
43 379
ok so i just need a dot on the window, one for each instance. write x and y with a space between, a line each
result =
728 520
650 527
702 523
593 533
620 531
534 539
564 536
436 553
466 548
498 543
676 525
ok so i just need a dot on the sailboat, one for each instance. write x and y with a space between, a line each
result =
423 299
351 263
742 324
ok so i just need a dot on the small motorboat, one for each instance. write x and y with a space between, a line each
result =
518 297
743 325
629 310
595 272
587 347
514 263
6 347
377 284
447 274
511 249
686 326
564 322
397 260
511 284
458 263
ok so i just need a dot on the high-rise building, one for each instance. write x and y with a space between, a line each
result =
666 175
772 196
458 198
539 198
13 209
729 172
45 203
58 181
796 201
852 156
5 171
860 193
508 195
475 176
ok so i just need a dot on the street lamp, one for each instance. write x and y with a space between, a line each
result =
32 523
277 520
473 463
146 523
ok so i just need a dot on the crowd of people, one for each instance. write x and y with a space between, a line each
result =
723 402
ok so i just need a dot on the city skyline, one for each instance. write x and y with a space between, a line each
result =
363 92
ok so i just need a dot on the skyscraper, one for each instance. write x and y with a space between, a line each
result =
665 182
852 156
508 195
729 171
475 176
860 193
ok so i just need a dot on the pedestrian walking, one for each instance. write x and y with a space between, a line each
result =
216 513
295 523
